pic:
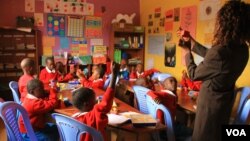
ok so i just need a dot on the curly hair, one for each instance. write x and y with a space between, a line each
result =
232 23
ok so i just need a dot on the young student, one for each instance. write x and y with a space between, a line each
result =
96 80
188 83
138 72
62 76
124 71
93 114
37 104
49 73
93 69
28 66
167 97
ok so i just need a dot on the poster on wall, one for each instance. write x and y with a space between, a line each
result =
75 26
169 25
189 19
93 27
170 54
29 5
56 25
38 17
156 44
209 9
76 7
176 14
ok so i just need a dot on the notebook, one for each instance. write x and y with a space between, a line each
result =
140 120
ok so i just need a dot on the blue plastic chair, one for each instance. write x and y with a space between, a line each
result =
245 113
14 89
245 92
8 112
160 76
71 129
153 107
107 81
141 93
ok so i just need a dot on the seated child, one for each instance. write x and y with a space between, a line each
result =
124 71
138 72
145 83
49 73
28 66
93 69
188 83
93 114
167 97
95 81
37 106
62 76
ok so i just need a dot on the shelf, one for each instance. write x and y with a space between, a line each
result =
123 48
17 50
10 70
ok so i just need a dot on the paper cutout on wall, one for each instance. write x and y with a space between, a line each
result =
189 19
156 44
128 19
208 9
96 42
93 27
170 54
169 25
85 60
74 7
78 41
99 50
38 19
64 42
75 26
48 41
29 5
83 49
56 25
74 50
99 59
176 14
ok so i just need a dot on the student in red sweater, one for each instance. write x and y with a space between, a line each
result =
49 73
93 114
37 104
188 83
62 76
28 66
138 72
95 81
167 97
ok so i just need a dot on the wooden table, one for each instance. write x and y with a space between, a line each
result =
140 133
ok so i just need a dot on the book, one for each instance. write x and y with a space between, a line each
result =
114 119
140 120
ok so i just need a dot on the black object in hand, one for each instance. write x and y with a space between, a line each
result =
185 44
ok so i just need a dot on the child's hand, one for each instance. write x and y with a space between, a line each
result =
183 34
184 74
80 74
115 68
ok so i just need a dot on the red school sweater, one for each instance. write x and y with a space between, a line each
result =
37 108
66 78
22 85
46 75
168 99
92 83
193 85
135 74
97 117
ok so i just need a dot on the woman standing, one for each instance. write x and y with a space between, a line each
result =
222 66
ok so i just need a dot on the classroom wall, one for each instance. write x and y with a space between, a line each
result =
10 9
148 6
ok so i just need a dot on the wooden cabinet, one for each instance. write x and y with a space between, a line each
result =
129 40
16 45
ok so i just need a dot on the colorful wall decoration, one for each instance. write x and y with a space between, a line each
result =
56 25
93 27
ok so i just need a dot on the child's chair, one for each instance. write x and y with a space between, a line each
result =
245 92
160 76
152 109
9 112
245 113
141 93
14 89
71 129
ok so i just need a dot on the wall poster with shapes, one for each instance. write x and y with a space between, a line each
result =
170 54
75 26
189 19
77 40
83 50
29 5
169 25
156 44
93 27
56 25
176 14
74 50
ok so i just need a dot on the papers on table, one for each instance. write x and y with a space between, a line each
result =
116 119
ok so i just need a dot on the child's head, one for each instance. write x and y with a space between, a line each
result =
35 87
142 82
170 84
94 67
60 67
84 99
123 63
28 66
97 73
139 68
50 63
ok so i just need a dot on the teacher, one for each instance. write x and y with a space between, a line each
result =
221 67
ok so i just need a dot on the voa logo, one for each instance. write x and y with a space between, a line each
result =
236 132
